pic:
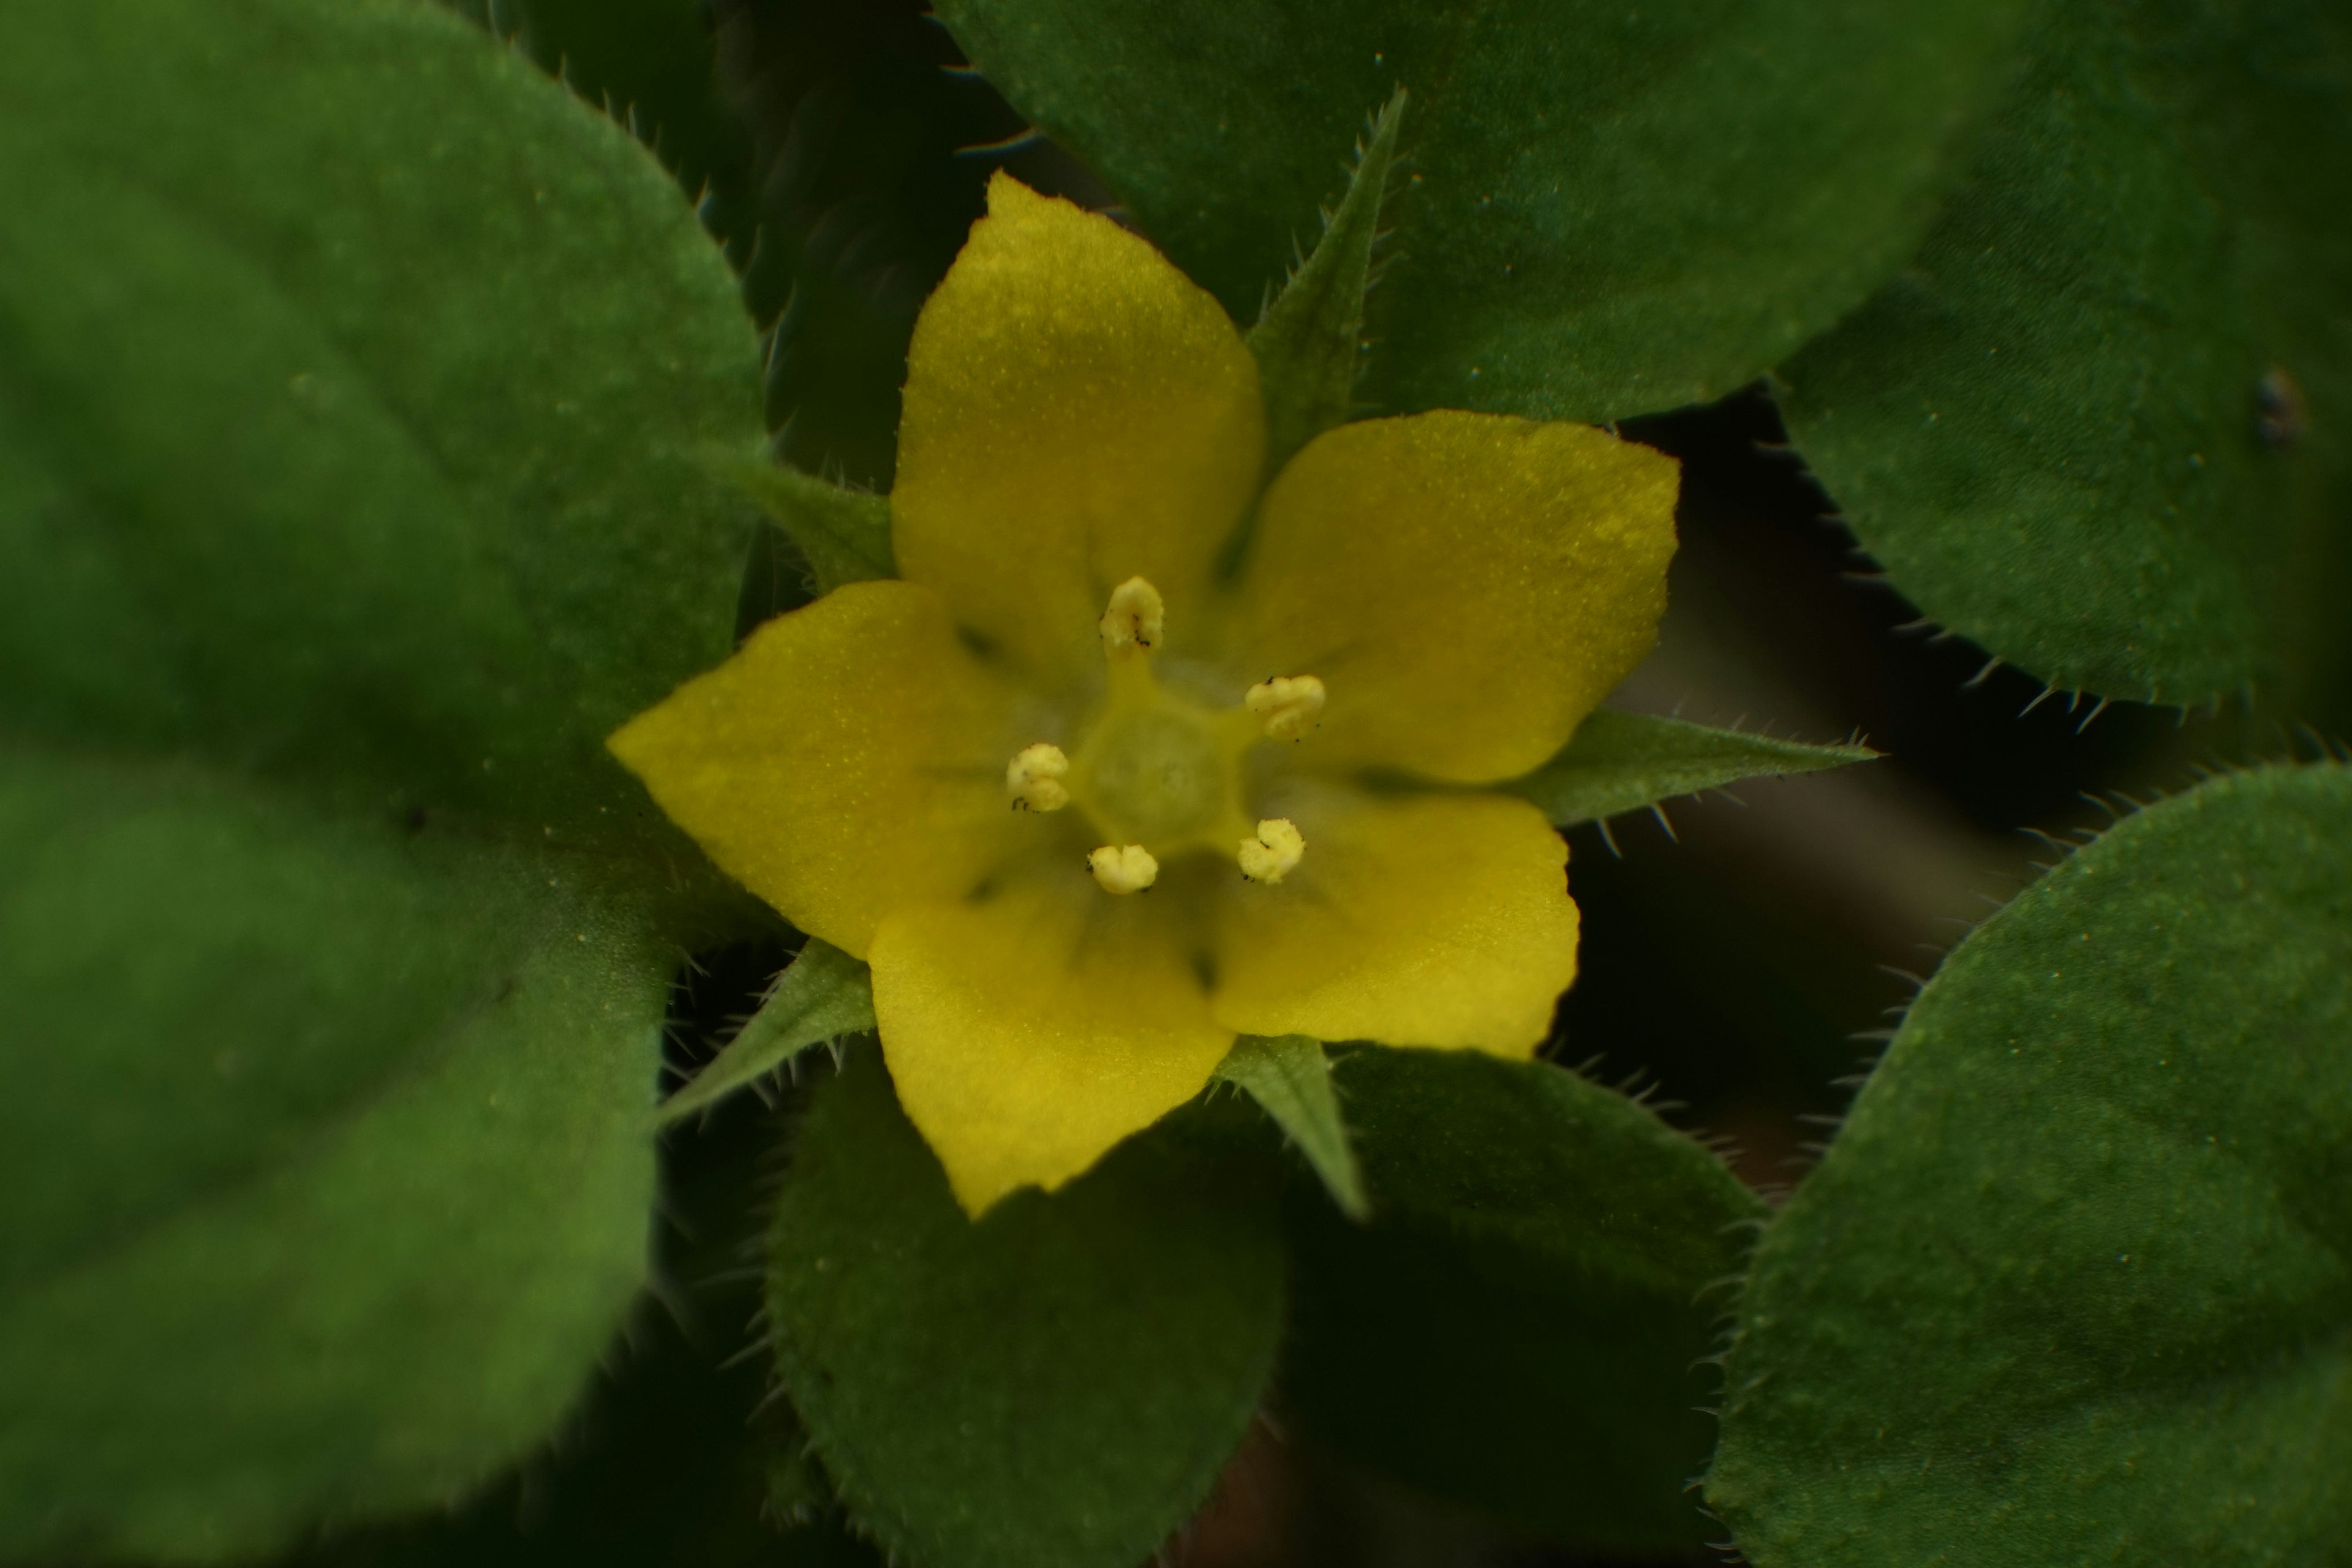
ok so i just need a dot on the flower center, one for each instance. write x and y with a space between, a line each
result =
1158 774
1153 772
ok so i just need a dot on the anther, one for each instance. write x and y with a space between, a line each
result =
1033 778
1123 868
1275 853
1292 705
1135 620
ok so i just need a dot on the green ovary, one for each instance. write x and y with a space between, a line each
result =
1157 771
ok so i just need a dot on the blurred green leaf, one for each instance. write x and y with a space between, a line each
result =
823 994
352 386
341 450
1516 1327
1623 762
2071 1285
325 1153
1056 1383
1290 1079
2059 429
1610 209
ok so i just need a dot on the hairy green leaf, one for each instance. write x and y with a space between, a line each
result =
2072 1284
2098 425
343 449
823 994
325 1151
1611 209
353 381
1056 1383
1623 762
1290 1079
1515 1326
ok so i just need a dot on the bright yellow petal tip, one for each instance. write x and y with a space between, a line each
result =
1472 584
1030 1033
842 763
1077 413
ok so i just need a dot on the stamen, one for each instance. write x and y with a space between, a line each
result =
1275 853
1292 704
1135 620
1033 778
1123 868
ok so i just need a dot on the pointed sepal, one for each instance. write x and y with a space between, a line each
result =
843 533
1290 1079
822 996
1310 341
1624 761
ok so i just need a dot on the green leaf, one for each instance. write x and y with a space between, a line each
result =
2050 428
355 451
1516 1327
1057 1384
2071 1284
351 381
1290 1079
1309 344
823 994
1623 762
325 1151
843 534
1612 209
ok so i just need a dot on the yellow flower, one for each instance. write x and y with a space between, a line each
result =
1093 798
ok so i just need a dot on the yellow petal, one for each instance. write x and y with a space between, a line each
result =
1077 413
1467 586
849 759
1439 920
1030 1032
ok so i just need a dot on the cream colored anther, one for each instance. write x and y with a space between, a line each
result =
1135 620
1123 868
1275 853
1291 704
1033 778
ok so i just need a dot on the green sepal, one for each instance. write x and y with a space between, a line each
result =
1623 762
1290 1079
1309 344
823 994
1056 1384
2071 1284
1516 1327
843 533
